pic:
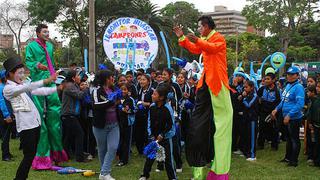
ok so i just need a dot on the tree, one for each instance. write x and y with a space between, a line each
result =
301 54
71 15
281 18
15 17
183 13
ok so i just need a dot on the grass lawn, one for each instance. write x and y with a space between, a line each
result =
266 167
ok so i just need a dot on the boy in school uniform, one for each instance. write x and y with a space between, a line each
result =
161 128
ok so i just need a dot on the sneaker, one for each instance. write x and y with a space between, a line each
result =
309 161
179 170
158 170
251 159
8 159
90 157
142 178
106 177
238 152
120 164
284 160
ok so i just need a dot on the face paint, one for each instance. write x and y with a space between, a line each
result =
19 76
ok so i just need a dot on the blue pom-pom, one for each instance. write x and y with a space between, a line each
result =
188 104
102 67
120 106
112 96
140 107
151 150
119 94
182 64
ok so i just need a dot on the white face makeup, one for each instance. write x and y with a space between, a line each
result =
44 34
19 76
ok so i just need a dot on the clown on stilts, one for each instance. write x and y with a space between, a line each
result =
39 60
210 130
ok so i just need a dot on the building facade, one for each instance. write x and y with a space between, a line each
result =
231 22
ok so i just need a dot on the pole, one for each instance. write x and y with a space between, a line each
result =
86 59
237 46
166 48
92 42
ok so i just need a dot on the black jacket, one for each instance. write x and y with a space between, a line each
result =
250 111
269 99
142 115
160 121
100 104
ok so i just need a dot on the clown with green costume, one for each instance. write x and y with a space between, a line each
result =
39 60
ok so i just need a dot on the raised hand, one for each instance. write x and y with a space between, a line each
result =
193 38
178 30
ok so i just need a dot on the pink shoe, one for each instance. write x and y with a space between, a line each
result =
213 176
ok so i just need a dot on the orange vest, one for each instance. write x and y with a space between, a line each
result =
214 51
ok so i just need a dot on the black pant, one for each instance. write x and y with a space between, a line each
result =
5 134
125 143
177 148
29 140
317 146
243 134
236 129
73 134
89 143
293 141
268 131
140 132
169 165
250 139
185 120
310 144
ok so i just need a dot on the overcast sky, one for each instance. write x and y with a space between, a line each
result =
201 5
207 5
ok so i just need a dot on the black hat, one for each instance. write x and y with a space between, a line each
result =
11 63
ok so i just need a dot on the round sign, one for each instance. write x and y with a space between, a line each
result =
130 43
278 60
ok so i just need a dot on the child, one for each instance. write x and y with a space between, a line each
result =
250 114
308 143
86 121
238 122
127 118
158 77
6 123
27 116
144 101
176 96
122 80
130 80
70 115
161 128
269 98
185 103
313 117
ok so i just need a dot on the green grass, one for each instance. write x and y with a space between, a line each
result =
266 167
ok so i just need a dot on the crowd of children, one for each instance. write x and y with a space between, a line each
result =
106 116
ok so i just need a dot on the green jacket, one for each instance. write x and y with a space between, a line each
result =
313 113
34 55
